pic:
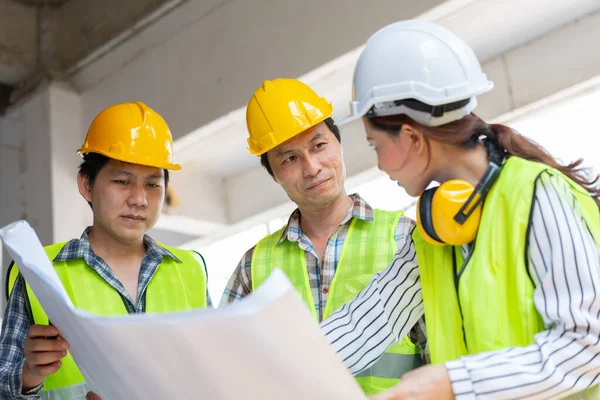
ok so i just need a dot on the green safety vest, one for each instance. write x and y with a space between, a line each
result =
175 286
487 303
368 248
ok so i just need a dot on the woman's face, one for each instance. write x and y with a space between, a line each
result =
403 157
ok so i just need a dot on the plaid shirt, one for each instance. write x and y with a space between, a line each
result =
321 273
17 318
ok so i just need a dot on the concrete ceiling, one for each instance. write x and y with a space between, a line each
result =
502 26
198 61
45 39
530 52
42 3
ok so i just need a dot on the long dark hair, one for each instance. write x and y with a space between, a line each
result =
465 132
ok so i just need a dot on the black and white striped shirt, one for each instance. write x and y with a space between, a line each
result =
564 265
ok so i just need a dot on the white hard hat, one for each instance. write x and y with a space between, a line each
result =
416 68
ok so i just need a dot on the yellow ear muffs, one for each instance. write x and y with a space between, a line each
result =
424 221
438 209
451 213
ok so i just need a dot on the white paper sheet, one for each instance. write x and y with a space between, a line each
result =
264 347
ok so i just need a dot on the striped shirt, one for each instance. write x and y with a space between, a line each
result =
17 317
564 265
321 272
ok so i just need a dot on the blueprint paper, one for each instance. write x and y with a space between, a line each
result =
265 347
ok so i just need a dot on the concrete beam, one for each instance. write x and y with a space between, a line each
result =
252 192
202 196
40 39
219 51
170 238
186 225
553 63
226 135
18 41
82 28
523 76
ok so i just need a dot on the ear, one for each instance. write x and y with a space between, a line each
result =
416 137
274 175
85 189
275 178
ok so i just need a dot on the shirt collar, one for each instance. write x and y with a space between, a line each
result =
79 248
360 209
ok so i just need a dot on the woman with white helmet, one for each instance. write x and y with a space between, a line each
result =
504 258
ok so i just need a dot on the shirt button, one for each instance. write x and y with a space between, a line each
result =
325 290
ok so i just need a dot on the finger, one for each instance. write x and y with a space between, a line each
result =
44 370
393 393
92 396
413 372
37 331
34 345
44 358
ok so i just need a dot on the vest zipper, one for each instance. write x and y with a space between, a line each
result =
127 304
457 274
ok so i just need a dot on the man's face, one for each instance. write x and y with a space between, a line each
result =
310 167
126 199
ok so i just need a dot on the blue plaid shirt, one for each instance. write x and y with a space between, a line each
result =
321 272
17 318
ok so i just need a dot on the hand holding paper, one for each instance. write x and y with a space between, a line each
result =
265 347
43 350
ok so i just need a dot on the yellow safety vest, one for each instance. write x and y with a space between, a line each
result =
487 303
368 248
175 286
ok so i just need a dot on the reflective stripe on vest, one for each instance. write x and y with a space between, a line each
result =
493 307
368 248
73 392
389 365
175 286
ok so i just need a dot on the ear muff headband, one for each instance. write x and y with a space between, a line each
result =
470 206
481 190
426 215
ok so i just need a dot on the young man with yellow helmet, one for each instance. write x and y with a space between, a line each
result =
333 243
114 268
504 261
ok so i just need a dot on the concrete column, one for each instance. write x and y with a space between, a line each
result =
38 166
70 212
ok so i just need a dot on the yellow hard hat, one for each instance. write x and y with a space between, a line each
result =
281 109
133 133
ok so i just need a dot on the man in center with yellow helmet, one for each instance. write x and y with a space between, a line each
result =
333 242
114 268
